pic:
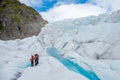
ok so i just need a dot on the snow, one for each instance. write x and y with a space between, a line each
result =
92 43
71 65
85 38
50 69
104 69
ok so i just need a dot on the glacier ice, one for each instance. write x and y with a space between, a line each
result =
92 43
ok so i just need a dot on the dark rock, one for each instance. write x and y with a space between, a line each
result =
18 20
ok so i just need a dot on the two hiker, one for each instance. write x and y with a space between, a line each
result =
34 60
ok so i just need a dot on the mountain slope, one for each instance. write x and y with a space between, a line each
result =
18 20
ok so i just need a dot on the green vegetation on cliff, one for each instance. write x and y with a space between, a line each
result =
18 12
14 15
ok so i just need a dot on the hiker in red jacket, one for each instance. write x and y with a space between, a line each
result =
36 57
32 60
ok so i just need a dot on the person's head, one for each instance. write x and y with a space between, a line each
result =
35 54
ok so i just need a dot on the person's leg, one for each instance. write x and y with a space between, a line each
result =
31 63
35 62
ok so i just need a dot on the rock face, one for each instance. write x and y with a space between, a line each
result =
18 20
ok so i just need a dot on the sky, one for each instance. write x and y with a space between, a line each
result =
55 10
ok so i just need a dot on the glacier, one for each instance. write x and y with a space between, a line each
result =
71 65
90 44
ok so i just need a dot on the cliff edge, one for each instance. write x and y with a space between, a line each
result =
18 20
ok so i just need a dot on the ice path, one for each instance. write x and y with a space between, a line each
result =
71 65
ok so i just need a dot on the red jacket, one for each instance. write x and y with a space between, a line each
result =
36 57
32 58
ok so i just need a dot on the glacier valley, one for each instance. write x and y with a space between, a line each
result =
72 49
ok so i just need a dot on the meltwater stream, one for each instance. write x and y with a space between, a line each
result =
71 65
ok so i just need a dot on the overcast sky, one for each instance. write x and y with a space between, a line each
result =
54 10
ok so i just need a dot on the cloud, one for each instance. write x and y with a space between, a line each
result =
40 5
32 3
110 5
71 11
64 9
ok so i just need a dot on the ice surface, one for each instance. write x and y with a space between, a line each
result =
71 65
50 69
92 43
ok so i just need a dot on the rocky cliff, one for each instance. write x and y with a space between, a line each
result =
18 20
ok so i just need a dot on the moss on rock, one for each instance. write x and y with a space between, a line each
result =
14 16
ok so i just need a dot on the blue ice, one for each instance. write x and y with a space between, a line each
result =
25 65
71 65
